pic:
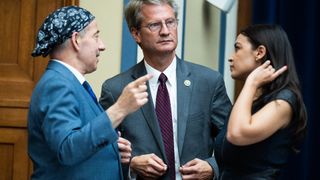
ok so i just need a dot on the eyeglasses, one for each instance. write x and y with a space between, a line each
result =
171 24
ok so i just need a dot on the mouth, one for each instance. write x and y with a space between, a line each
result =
165 41
231 68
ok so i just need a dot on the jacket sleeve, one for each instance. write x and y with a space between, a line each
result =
220 104
73 131
220 110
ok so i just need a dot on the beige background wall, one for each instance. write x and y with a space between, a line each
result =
201 36
109 16
202 32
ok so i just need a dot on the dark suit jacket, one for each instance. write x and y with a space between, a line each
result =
202 109
70 136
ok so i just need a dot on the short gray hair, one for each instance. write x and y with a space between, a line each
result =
133 10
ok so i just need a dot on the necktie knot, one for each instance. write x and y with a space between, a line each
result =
163 78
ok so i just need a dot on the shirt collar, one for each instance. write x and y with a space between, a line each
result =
75 72
170 72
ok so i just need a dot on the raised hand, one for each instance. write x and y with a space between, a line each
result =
264 73
133 96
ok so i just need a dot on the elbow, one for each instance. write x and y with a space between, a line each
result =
236 138
67 161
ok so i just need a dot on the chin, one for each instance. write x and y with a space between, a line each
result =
235 76
167 50
168 47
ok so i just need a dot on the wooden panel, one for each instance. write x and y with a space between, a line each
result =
13 117
19 72
9 17
6 163
16 66
244 14
13 151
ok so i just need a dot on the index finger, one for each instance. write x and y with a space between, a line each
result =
142 80
280 71
187 170
123 141
266 64
159 164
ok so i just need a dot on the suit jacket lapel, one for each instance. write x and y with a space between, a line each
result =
148 109
184 89
70 76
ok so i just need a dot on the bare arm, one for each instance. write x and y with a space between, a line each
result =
245 128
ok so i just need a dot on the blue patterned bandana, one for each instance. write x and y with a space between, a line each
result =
59 26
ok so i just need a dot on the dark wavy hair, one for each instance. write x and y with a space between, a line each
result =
279 52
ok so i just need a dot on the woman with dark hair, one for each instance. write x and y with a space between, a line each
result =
268 119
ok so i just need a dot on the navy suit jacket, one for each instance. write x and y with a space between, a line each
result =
202 109
70 136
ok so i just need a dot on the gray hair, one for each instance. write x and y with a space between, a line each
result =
133 10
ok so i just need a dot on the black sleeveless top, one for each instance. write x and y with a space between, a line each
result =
262 160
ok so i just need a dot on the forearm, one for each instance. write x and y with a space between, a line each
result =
116 115
241 114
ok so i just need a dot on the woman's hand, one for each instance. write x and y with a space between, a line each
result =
264 74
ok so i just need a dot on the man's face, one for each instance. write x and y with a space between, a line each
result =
90 46
158 30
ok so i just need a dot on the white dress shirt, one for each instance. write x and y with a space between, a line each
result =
171 84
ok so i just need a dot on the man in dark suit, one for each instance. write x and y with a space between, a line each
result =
198 103
70 135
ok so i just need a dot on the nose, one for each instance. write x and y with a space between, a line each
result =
164 29
230 60
101 46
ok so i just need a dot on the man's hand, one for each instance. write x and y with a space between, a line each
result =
125 149
148 166
196 169
133 96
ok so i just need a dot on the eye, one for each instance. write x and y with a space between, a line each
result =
154 26
170 22
236 47
96 36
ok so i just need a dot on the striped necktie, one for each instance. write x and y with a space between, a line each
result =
163 111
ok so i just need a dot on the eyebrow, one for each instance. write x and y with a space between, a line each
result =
160 20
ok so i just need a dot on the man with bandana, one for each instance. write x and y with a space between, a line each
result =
70 135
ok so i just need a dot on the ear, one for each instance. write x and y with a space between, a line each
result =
260 52
75 40
135 34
